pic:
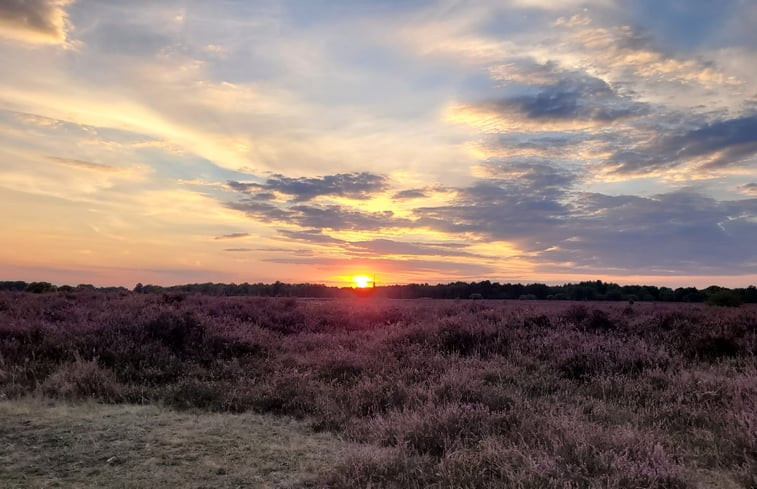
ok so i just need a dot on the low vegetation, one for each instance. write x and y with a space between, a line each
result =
441 394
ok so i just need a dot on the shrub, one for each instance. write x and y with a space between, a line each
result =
341 367
40 287
579 367
80 380
493 464
373 395
288 392
715 347
177 333
194 393
599 321
390 468
576 314
436 430
470 339
539 321
725 298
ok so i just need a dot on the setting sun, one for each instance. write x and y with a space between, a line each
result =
362 281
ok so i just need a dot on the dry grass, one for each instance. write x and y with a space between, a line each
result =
88 445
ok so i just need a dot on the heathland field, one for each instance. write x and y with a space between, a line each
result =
154 390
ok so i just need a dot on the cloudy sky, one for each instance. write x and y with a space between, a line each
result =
424 141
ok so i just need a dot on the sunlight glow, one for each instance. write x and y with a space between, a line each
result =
362 281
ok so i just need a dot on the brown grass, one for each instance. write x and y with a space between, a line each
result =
88 445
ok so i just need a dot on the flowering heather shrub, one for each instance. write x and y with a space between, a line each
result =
387 468
436 429
465 335
443 394
82 379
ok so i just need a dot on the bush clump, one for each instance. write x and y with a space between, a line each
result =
82 379
725 298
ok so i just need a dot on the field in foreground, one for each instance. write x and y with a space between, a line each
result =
466 394
57 444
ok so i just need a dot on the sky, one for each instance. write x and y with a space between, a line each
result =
430 141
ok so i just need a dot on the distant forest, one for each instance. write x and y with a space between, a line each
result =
582 291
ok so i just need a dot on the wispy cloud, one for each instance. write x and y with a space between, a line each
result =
232 236
86 165
352 185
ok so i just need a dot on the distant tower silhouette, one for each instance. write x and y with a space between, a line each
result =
374 280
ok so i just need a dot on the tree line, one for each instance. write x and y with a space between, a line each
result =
596 290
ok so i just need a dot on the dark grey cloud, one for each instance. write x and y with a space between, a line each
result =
533 203
378 247
253 190
242 186
295 252
261 211
530 175
388 266
727 142
126 37
524 201
559 96
352 185
264 196
501 211
573 97
558 142
232 236
320 217
413 193
680 232
735 139
388 246
337 217
553 95
310 236
748 189
39 19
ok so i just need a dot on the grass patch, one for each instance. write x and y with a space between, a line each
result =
88 445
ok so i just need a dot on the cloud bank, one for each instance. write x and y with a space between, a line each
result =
35 21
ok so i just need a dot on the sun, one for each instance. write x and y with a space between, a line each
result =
362 281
